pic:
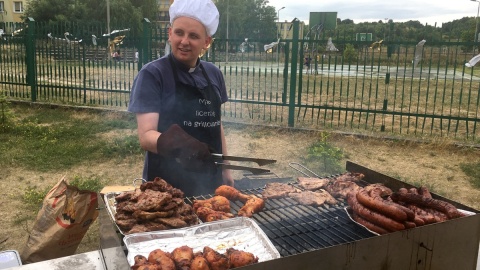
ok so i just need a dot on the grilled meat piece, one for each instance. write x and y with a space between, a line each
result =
277 190
126 224
216 260
231 193
152 200
174 203
199 263
252 206
148 266
153 210
172 222
162 258
124 196
313 198
147 227
158 184
131 196
312 183
183 256
139 260
217 203
385 191
207 214
350 176
144 215
238 258
340 188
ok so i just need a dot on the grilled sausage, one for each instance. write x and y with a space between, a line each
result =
417 199
424 192
368 224
372 216
375 202
410 213
409 224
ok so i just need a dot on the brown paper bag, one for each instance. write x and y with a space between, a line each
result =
61 223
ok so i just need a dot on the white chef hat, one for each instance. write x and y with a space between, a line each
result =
203 11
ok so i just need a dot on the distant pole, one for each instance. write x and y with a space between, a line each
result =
280 29
108 16
476 22
108 27
226 49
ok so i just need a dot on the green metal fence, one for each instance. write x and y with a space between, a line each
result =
393 87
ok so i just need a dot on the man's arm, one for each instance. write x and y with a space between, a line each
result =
147 124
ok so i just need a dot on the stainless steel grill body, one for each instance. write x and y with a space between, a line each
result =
325 238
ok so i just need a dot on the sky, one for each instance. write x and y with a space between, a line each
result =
425 11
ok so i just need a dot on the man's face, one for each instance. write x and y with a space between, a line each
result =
188 37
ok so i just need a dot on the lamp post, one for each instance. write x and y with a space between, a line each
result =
226 49
108 17
476 20
278 20
278 32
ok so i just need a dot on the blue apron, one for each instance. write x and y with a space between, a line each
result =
197 111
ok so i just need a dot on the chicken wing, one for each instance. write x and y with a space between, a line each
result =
199 263
252 206
216 260
182 256
217 203
207 214
162 258
231 193
238 258
148 266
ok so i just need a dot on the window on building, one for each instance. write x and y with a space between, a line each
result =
18 7
2 6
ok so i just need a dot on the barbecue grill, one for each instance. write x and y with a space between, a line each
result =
325 237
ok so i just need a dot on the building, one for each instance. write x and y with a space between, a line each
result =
12 10
163 16
285 29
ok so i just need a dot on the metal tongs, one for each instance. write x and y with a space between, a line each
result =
259 161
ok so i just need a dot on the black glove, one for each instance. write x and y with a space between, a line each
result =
191 153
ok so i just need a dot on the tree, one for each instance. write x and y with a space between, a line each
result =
122 12
247 19
55 10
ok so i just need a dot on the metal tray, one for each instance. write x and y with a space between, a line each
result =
111 205
240 233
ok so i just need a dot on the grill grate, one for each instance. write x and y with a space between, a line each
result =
295 228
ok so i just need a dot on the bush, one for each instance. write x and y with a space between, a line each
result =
350 54
326 154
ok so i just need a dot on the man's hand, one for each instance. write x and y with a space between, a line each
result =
192 154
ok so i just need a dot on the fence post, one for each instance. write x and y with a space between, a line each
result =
145 53
293 74
30 57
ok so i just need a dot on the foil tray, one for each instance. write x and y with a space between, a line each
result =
240 233
111 206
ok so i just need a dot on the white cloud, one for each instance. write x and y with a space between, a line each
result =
426 11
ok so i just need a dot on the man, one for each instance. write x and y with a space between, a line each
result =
177 101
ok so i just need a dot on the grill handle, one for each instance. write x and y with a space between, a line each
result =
295 166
